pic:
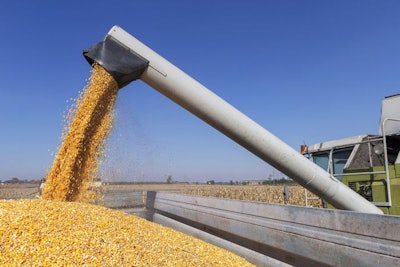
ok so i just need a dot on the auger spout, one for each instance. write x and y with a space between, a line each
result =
197 99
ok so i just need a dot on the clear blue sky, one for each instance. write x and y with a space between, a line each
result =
307 71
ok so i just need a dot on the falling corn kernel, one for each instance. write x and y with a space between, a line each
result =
37 232
89 120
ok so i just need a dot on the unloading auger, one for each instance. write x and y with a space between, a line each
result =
127 59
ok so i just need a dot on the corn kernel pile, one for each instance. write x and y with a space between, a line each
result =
89 124
59 231
54 233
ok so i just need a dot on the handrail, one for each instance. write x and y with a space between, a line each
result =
386 172
388 191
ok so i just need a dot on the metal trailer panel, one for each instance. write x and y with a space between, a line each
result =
254 257
191 95
294 235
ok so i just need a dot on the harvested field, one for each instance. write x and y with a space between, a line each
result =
263 193
17 191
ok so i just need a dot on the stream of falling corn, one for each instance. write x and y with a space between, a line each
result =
75 165
62 230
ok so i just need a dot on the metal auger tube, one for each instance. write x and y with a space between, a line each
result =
197 99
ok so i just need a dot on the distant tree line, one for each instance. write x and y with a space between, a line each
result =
15 180
278 181
170 180
254 182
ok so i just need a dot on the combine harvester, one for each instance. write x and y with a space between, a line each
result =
368 164
355 234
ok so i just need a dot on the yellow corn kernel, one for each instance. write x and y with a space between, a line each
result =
89 121
37 232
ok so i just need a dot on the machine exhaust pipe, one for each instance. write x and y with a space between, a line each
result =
197 99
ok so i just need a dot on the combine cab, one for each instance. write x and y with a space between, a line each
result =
368 164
